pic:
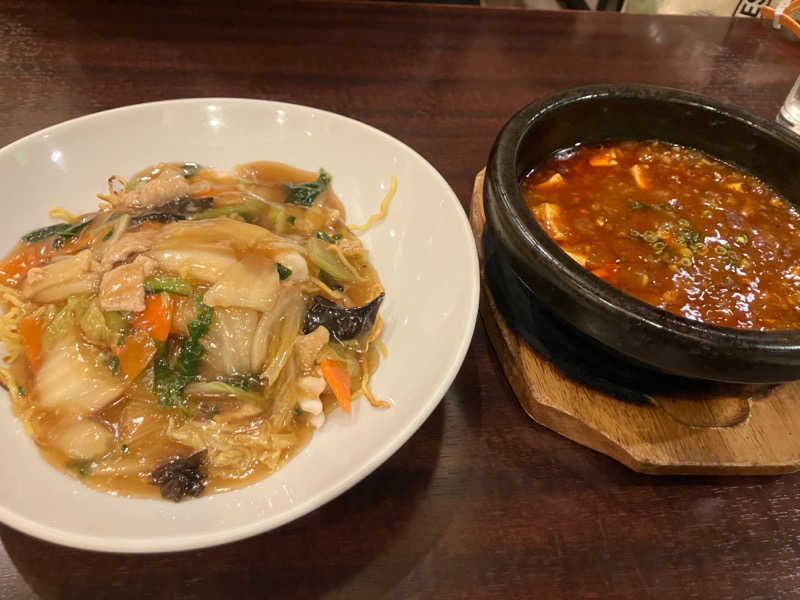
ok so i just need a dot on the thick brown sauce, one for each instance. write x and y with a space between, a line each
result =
675 228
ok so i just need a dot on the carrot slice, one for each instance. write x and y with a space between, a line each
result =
30 330
135 353
156 318
338 379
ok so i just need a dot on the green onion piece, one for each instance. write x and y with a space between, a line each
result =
741 238
290 219
283 271
113 364
108 234
324 237
166 283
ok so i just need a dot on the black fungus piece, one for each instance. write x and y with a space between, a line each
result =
156 217
175 210
343 323
181 477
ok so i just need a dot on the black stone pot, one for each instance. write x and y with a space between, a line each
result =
624 326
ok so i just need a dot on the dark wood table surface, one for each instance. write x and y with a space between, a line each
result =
481 502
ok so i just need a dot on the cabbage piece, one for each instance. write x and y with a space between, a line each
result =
275 335
283 396
57 274
220 388
228 342
250 283
205 264
87 284
75 379
94 326
221 231
324 255
64 322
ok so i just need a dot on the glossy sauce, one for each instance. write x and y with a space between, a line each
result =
676 229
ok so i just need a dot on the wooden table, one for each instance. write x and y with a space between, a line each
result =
481 502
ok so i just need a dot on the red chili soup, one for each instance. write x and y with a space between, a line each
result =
675 228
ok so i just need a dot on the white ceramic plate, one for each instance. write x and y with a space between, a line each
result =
423 251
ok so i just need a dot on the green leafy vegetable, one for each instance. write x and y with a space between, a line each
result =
249 210
60 232
165 283
62 236
290 219
283 271
113 364
324 237
108 234
44 232
191 350
167 384
304 194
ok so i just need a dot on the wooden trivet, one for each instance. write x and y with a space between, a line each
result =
729 432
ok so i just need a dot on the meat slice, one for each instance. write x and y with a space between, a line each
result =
170 184
122 288
125 246
307 347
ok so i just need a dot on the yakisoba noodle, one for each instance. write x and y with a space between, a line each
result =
190 335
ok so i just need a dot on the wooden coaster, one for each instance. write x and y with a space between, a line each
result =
729 432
